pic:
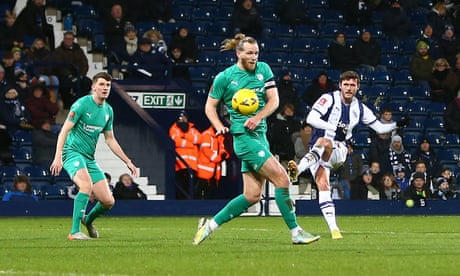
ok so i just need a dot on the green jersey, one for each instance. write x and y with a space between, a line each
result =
90 120
232 79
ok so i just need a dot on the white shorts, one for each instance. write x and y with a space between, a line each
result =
338 157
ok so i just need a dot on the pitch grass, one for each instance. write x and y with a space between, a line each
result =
375 245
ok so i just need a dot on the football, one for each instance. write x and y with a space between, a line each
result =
245 101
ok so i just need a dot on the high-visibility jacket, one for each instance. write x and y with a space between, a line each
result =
186 145
212 153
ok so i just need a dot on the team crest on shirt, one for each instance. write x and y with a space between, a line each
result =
76 163
322 101
259 77
261 153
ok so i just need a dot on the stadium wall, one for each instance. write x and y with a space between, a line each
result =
208 208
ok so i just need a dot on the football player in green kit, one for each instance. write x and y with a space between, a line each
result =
88 117
250 142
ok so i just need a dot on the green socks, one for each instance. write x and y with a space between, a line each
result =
97 211
233 209
79 208
284 202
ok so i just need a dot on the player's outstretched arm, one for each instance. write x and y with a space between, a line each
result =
118 151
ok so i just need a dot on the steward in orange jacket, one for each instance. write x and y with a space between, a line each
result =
211 153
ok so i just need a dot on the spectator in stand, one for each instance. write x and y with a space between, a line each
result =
376 171
21 191
246 19
359 12
320 85
72 74
421 66
127 189
420 167
447 174
449 45
426 154
9 36
443 190
185 41
341 54
433 46
280 134
40 53
13 114
139 10
287 92
114 26
211 154
6 157
3 83
32 22
389 188
452 116
386 117
125 49
22 84
438 18
148 64
401 178
292 12
417 191
43 144
399 156
40 108
186 138
444 82
162 11
368 52
378 151
301 147
180 66
9 67
361 188
157 40
350 171
395 23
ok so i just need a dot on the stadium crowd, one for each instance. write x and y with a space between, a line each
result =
179 40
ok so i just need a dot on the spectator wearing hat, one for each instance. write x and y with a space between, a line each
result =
402 179
421 65
125 49
443 190
365 187
452 116
396 23
449 45
398 156
114 26
368 52
417 190
433 46
320 85
187 139
287 91
341 55
426 154
359 12
146 64
350 171
444 82
438 18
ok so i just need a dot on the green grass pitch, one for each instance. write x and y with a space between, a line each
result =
372 245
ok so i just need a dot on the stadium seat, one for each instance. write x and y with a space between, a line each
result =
377 78
451 141
411 140
402 77
416 108
419 94
279 45
389 47
321 46
226 58
390 61
376 91
316 15
22 157
37 173
298 61
7 173
224 14
218 31
282 31
435 124
351 32
306 31
84 11
208 43
399 93
333 17
436 140
318 4
416 124
22 138
205 13
396 106
143 26
408 46
319 62
362 140
207 58
183 12
437 109
53 192
448 156
202 73
328 32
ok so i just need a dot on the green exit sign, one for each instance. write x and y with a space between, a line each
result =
164 100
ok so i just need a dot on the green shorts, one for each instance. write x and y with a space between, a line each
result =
253 150
74 161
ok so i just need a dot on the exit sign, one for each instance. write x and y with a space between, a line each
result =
163 100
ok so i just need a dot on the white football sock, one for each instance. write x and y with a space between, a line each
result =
328 209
